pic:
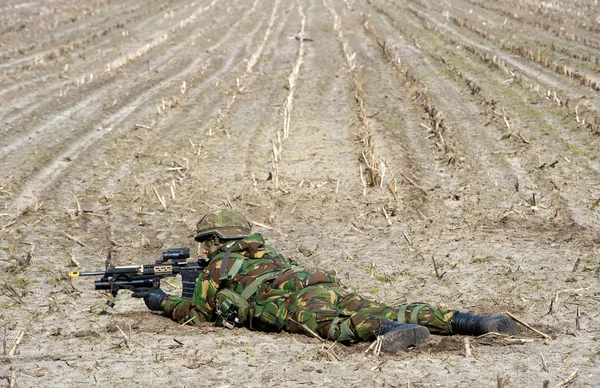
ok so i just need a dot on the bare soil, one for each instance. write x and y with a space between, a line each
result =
439 151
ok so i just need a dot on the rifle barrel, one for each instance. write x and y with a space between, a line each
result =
74 275
113 271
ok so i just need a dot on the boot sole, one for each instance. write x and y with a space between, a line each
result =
400 339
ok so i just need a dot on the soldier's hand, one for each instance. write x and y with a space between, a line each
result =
153 298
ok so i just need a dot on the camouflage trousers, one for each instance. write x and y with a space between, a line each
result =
325 309
335 314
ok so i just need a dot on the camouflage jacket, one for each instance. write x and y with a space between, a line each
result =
258 259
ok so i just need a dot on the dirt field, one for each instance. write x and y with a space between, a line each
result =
440 151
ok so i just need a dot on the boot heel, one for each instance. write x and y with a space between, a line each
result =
402 337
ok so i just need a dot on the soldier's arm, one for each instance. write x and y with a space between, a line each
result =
200 308
182 310
270 251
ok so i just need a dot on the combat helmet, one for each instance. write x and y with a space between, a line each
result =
226 224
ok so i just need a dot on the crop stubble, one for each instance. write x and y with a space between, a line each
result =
123 123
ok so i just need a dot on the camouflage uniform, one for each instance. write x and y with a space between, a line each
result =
292 297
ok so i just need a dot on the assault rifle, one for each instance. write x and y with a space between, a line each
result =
146 277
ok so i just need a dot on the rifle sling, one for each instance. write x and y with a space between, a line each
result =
235 268
225 259
253 287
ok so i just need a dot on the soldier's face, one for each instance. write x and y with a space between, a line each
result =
209 246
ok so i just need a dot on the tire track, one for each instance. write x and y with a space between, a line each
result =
46 176
223 154
34 132
83 76
30 58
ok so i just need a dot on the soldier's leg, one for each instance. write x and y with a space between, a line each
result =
440 321
324 310
434 318
313 308
364 316
352 303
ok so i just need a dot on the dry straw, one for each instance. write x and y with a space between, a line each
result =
374 166
288 104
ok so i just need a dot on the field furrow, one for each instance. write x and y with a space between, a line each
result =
91 71
435 151
149 97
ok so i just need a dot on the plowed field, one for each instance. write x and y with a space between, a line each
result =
439 151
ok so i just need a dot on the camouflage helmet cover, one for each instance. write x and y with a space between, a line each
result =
226 224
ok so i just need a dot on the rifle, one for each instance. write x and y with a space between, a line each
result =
146 277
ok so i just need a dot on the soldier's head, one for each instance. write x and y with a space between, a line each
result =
215 229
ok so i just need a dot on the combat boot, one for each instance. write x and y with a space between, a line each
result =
399 336
470 324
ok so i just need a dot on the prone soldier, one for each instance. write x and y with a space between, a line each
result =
248 283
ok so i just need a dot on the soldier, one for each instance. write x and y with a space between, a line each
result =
248 283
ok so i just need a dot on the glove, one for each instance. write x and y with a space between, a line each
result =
153 298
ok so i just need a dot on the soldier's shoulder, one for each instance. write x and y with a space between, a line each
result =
254 238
